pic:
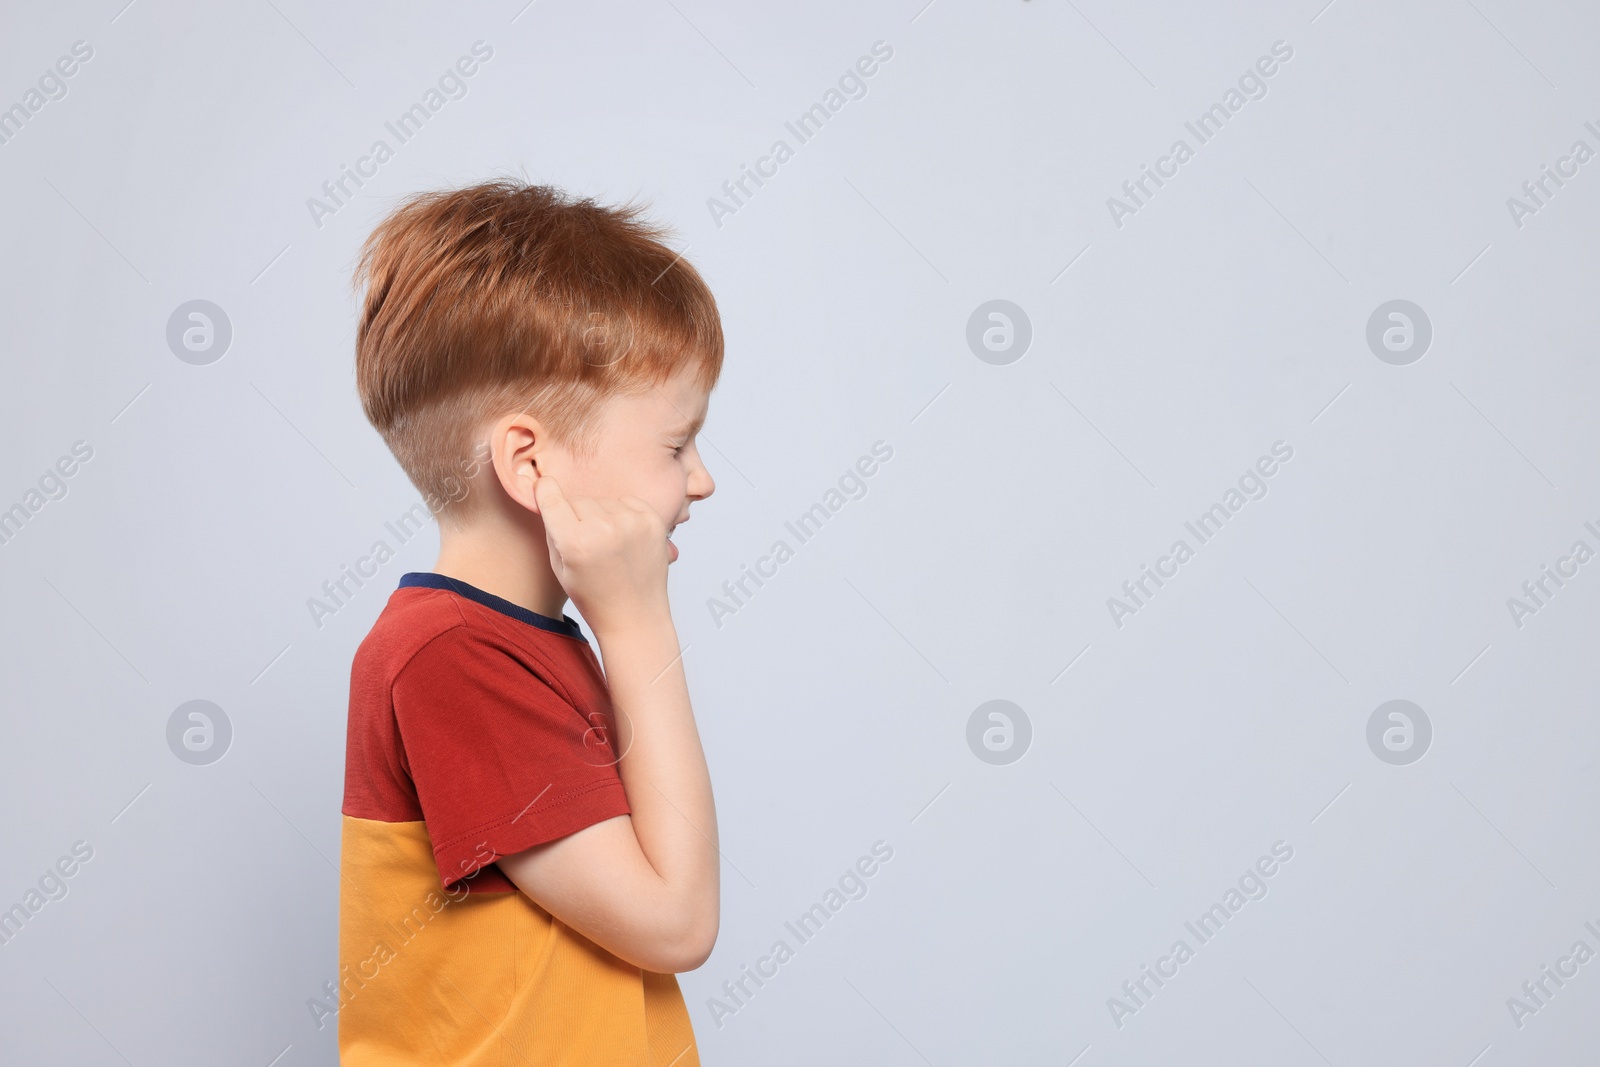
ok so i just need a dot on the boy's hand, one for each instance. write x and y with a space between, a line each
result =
609 555
644 886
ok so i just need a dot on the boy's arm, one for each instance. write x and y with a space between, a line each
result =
646 886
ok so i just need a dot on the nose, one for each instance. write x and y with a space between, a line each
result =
701 484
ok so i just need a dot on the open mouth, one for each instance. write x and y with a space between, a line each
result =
670 531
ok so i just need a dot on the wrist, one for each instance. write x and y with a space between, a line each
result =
635 626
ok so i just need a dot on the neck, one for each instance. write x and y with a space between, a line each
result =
504 554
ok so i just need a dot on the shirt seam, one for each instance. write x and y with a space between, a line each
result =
548 674
560 800
458 595
459 624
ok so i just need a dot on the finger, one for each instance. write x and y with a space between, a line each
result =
587 507
634 503
644 508
553 504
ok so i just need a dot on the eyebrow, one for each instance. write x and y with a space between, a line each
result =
691 428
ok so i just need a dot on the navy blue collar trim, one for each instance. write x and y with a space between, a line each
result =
566 626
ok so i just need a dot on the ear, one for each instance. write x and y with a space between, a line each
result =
516 444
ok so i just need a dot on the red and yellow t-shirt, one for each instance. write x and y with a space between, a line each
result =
478 729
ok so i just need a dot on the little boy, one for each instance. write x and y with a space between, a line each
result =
529 847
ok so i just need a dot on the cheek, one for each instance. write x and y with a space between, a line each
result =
574 479
602 476
669 489
673 486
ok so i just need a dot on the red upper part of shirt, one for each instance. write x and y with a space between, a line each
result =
489 723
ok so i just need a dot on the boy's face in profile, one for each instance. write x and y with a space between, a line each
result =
646 448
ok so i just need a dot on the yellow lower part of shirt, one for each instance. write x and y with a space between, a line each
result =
480 979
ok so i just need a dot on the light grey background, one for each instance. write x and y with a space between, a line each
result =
1167 354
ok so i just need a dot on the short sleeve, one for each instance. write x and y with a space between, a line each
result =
501 759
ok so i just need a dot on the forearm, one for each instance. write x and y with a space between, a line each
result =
663 768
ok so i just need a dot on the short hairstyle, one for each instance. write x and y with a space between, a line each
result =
505 296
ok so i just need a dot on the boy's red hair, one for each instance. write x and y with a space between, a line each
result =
503 297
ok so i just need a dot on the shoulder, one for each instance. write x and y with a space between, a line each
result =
432 639
412 620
